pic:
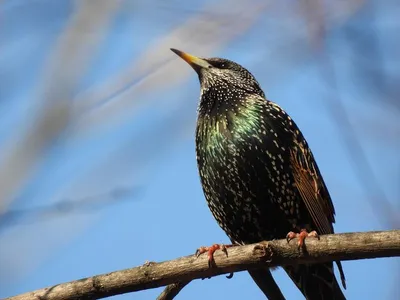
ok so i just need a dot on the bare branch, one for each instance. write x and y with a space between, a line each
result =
345 246
172 290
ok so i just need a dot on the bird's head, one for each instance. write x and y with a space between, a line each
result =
221 74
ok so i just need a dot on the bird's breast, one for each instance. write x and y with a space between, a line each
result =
227 156
246 179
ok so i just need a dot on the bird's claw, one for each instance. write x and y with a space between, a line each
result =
302 236
224 248
291 235
211 250
200 250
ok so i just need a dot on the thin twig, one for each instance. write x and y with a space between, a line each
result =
172 290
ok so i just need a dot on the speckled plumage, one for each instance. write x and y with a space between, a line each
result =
258 174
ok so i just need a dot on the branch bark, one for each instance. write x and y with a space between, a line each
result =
345 246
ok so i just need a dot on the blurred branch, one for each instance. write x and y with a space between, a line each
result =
63 69
320 16
110 100
345 246
368 64
365 173
66 206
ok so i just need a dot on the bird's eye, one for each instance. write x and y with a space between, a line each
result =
219 64
210 66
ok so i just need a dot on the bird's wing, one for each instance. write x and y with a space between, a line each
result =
312 188
313 191
306 174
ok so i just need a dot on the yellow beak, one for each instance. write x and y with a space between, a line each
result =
195 62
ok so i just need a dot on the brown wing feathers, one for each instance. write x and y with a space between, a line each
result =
309 185
314 193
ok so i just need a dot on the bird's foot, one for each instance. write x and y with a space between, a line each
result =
302 236
211 250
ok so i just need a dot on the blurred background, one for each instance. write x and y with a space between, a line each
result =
97 118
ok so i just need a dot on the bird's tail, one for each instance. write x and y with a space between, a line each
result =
263 278
317 281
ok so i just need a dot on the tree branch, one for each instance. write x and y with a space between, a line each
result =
345 246
172 290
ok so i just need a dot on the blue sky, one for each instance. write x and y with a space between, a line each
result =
128 111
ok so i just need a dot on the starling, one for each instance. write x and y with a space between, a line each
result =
258 174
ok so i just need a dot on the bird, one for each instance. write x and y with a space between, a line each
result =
258 174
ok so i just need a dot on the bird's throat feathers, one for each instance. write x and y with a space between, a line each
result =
230 118
230 108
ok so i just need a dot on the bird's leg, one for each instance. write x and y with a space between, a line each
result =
211 250
302 236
